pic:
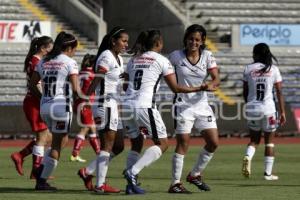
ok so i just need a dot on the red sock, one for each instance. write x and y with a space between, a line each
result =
94 141
78 143
27 150
36 161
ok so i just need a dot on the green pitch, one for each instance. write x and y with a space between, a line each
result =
223 174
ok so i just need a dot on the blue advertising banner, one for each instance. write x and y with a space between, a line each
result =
272 34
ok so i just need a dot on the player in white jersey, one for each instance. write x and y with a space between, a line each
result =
193 65
139 112
108 69
260 79
54 71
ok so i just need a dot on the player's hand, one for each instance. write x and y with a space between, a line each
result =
211 87
282 119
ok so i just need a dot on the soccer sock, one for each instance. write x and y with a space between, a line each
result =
91 167
27 150
269 161
203 160
132 158
78 143
151 155
250 151
177 165
102 167
49 166
47 153
37 156
95 143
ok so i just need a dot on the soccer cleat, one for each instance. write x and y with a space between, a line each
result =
246 168
87 179
18 161
77 159
197 181
178 189
270 177
134 189
105 188
43 185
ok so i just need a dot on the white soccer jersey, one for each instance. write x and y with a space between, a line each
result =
54 75
260 88
144 73
109 87
192 75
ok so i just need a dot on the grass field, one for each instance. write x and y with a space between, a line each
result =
222 174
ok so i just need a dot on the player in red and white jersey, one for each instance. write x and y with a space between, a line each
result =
55 70
85 118
139 112
193 65
260 79
108 69
39 47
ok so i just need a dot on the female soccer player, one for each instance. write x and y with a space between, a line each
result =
260 79
193 65
39 48
108 68
86 76
140 115
55 70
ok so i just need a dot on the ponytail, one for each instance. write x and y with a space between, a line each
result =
145 41
262 54
35 46
62 42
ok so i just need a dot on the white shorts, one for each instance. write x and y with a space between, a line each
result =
106 118
266 123
146 121
187 117
57 117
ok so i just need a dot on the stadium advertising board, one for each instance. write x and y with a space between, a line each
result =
272 34
13 31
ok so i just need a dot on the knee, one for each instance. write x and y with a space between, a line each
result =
212 146
117 149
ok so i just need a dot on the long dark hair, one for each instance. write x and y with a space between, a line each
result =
106 42
192 29
35 46
62 42
87 61
262 54
146 41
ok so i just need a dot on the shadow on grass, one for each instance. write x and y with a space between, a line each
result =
32 190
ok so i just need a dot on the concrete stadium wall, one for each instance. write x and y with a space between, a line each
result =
137 15
81 17
13 121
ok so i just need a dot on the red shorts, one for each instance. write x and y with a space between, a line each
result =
86 113
31 107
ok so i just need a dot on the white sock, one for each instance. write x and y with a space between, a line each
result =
38 150
203 159
101 167
90 169
92 135
80 136
151 155
132 158
177 165
269 161
250 151
49 166
46 154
